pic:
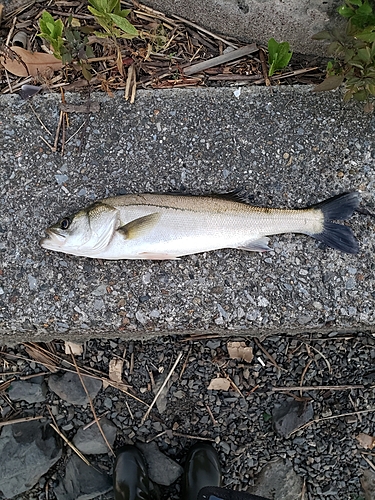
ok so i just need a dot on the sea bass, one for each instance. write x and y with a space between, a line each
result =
168 226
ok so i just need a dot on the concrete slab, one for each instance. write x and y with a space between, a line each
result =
287 146
294 21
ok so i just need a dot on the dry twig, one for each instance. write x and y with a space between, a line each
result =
216 61
317 388
162 387
65 439
20 420
331 417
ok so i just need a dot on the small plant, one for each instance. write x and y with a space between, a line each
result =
279 55
77 48
354 53
266 417
68 43
112 19
52 31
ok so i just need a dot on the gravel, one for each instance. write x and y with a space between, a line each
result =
325 454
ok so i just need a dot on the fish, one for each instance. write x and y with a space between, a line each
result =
169 226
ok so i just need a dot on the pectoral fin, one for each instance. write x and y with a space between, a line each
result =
139 226
260 245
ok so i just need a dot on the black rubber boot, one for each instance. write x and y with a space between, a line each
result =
202 468
130 478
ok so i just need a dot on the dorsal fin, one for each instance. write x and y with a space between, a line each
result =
239 195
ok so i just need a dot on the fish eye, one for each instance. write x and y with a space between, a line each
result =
65 223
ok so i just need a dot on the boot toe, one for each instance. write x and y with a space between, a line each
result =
202 468
130 478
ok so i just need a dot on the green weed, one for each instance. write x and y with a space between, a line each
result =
112 19
52 32
68 43
353 51
279 55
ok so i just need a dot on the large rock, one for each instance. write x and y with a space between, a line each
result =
161 469
90 441
290 415
27 451
82 482
368 484
69 387
32 392
277 480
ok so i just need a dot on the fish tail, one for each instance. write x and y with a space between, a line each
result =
334 235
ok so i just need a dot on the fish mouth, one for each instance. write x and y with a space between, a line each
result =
52 239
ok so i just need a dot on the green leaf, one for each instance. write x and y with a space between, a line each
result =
322 35
360 96
106 24
66 58
273 47
347 96
124 13
100 34
46 18
356 63
48 26
330 83
85 71
69 36
365 9
89 51
113 6
364 55
367 37
266 416
95 12
99 5
124 24
358 3
348 54
333 48
345 11
279 55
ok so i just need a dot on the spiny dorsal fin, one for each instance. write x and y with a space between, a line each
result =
239 195
139 226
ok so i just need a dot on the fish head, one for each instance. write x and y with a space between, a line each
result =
86 233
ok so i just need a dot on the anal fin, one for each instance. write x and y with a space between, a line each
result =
259 245
156 256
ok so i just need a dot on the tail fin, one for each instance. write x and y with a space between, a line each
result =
337 236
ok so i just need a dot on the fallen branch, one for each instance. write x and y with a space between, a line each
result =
318 388
216 61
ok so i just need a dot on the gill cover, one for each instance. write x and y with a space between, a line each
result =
103 220
86 233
